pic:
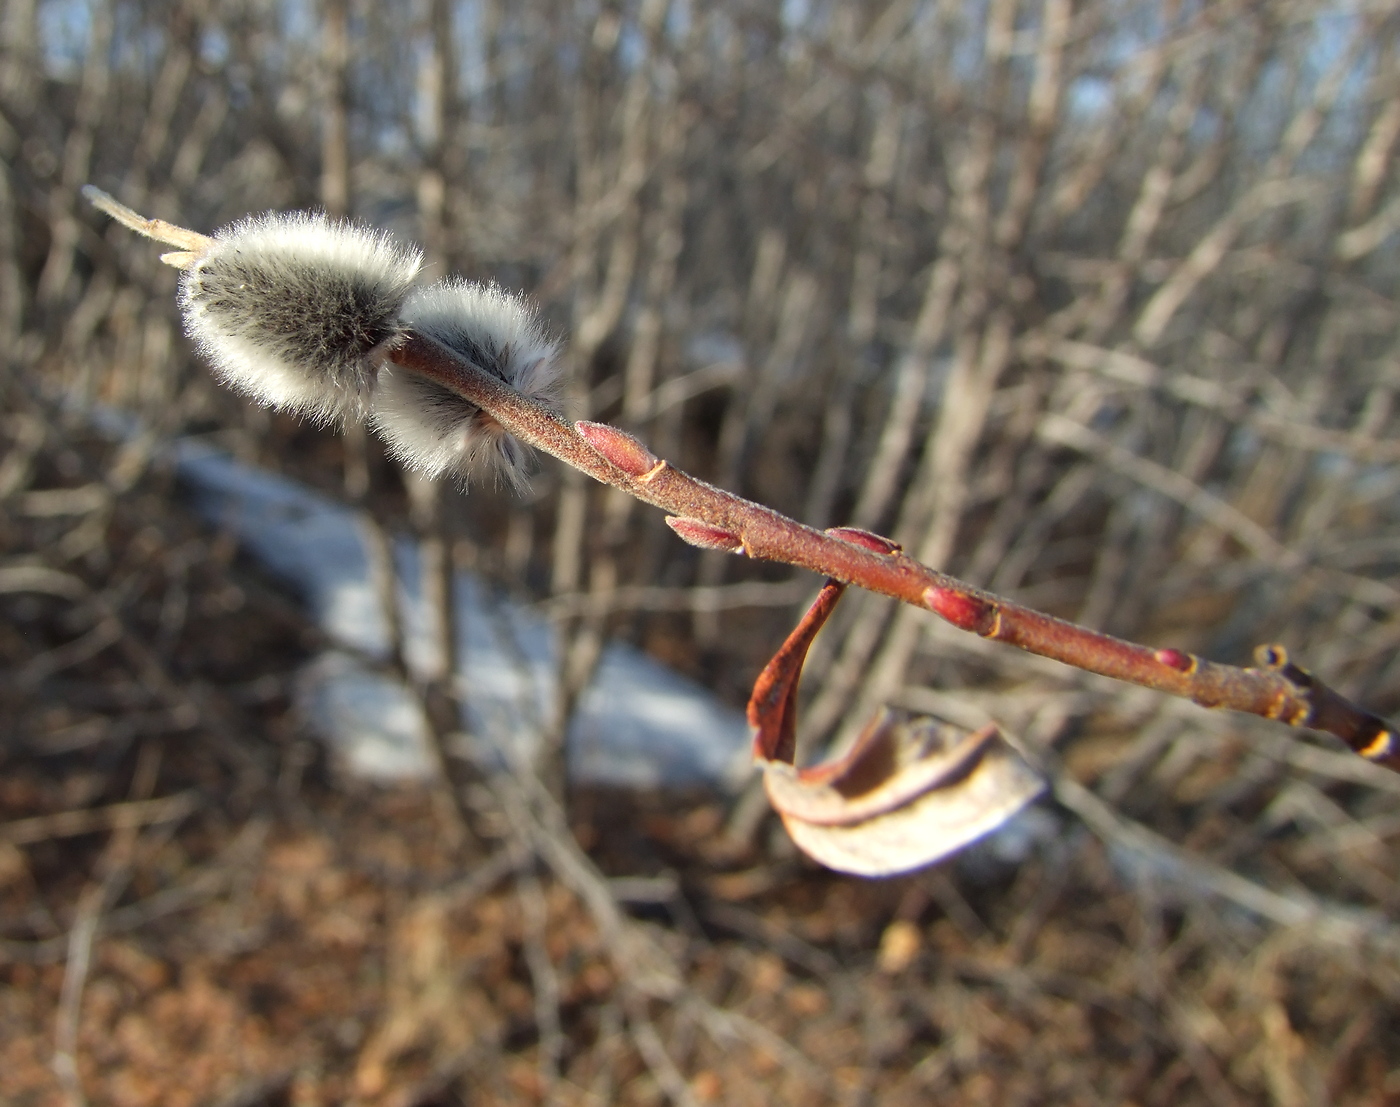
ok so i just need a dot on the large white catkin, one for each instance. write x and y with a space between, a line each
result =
435 431
297 309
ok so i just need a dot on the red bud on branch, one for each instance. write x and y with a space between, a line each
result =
1175 659
855 535
962 610
705 536
625 451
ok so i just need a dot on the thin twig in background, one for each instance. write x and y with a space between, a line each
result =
113 873
121 816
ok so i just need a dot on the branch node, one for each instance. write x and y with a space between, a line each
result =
1273 657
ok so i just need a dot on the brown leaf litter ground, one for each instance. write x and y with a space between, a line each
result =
196 909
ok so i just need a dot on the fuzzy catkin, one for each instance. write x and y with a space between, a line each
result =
432 429
296 309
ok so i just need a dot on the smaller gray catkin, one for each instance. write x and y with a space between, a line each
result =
431 429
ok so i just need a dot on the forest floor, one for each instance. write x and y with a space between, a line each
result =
197 908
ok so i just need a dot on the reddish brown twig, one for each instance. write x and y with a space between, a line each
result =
715 519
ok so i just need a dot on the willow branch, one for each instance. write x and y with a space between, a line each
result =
715 519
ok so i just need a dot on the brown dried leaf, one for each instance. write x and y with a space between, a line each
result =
908 792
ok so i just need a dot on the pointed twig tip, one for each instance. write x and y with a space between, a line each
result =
191 243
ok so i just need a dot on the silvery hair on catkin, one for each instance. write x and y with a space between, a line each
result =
433 430
297 309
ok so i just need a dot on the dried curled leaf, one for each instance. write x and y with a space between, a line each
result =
909 791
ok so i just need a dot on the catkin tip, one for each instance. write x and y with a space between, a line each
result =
190 242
